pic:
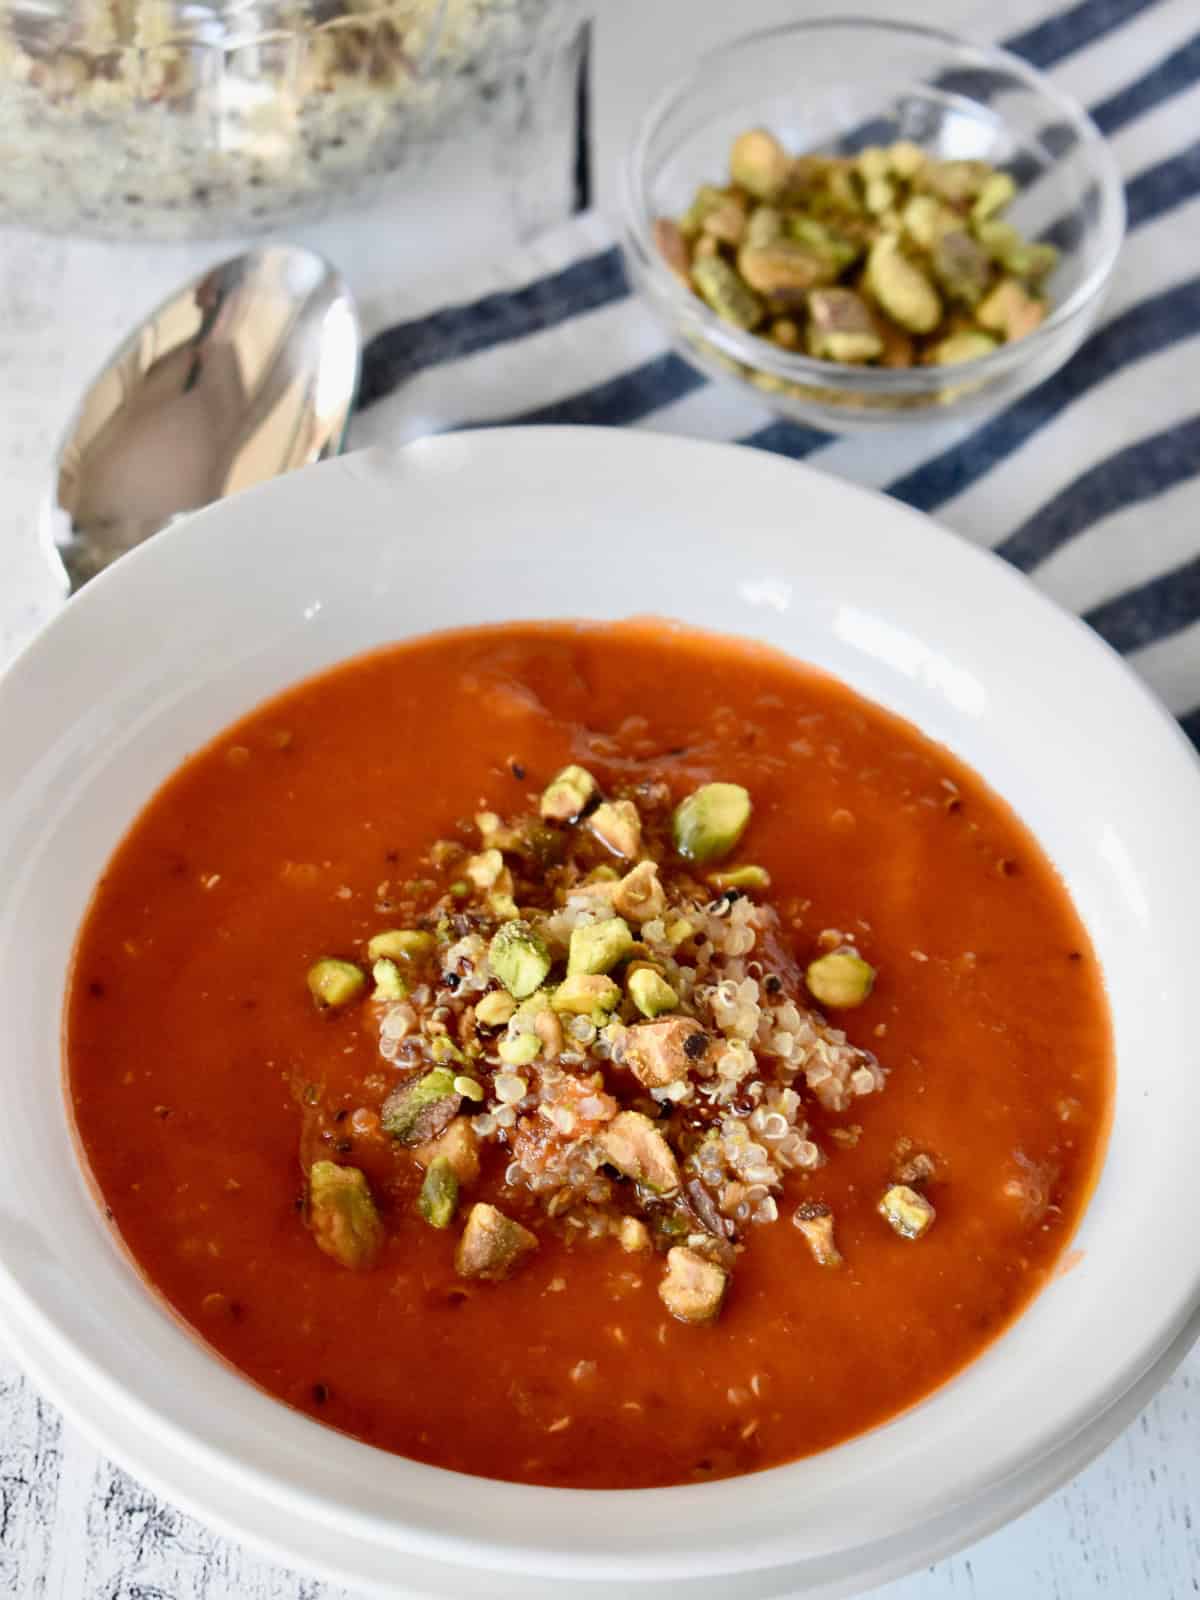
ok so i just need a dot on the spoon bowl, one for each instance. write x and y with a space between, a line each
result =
246 372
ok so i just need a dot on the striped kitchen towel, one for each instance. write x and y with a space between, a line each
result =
1090 483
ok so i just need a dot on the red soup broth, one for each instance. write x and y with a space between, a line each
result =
203 1079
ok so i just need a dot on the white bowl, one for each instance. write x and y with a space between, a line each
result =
238 601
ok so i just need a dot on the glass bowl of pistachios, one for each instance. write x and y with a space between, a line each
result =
870 223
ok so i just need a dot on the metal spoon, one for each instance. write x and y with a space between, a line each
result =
247 372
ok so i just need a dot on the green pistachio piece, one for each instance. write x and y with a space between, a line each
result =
597 947
925 219
401 944
334 983
764 226
342 1214
955 181
419 1110
741 878
901 288
961 266
650 992
841 327
759 164
879 196
968 345
389 985
825 241
565 797
784 269
873 163
638 1150
709 823
707 198
492 1245
726 223
519 1049
438 1200
584 993
519 958
719 285
1030 262
1010 310
995 192
908 1212
906 159
840 979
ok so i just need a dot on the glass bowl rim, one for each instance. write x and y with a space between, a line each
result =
687 309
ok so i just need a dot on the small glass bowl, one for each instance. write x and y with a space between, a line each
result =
837 85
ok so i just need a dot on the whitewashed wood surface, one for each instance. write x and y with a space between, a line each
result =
74 1527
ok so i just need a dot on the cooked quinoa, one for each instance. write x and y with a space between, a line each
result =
601 988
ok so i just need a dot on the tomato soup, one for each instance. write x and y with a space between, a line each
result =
591 1055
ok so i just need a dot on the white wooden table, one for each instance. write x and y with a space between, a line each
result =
72 1526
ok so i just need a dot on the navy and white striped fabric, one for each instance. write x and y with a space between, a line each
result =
1090 483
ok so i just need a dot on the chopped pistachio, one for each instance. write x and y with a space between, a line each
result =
908 1212
873 162
749 877
417 1111
672 247
841 327
840 979
566 796
679 930
763 227
759 163
650 992
722 289
665 1051
785 332
443 1049
837 249
639 895
954 181
1010 310
494 1010
693 1288
616 823
709 823
484 869
598 946
469 1088
401 944
519 958
585 993
968 345
815 1222
996 191
879 196
1018 256
925 219
342 1214
519 1049
726 223
389 985
638 1150
901 288
707 198
961 266
334 983
784 271
439 1193
492 1245
906 159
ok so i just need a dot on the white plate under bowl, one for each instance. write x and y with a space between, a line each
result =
156 656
